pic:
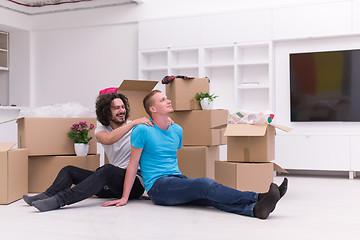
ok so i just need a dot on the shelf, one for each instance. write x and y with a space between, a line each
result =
155 75
218 55
183 57
253 73
256 99
190 72
253 53
252 86
4 47
253 63
158 68
4 41
224 65
184 67
153 59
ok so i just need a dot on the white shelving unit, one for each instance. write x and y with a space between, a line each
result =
219 67
239 74
253 77
153 65
4 50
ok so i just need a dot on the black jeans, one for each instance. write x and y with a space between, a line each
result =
105 182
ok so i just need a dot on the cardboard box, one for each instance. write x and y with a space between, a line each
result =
48 136
135 91
182 92
13 173
255 177
198 161
44 169
199 126
251 143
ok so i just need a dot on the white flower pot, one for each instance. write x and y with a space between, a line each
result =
81 149
206 104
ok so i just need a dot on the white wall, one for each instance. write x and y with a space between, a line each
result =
10 20
74 64
19 72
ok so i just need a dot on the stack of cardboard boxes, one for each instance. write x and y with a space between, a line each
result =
49 149
201 138
250 148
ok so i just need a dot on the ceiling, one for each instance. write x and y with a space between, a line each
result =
34 7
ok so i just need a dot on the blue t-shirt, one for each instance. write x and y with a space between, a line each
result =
158 157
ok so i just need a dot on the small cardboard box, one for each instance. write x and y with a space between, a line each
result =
255 177
13 173
44 169
251 143
48 136
199 126
135 91
182 92
198 161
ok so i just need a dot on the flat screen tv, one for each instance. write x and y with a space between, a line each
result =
325 86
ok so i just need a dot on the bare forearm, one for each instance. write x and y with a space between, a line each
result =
115 135
129 178
119 132
129 181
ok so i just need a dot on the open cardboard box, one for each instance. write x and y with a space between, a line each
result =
182 92
251 143
13 173
135 91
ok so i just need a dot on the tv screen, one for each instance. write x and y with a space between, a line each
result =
325 86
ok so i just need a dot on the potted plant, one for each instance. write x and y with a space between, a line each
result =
79 134
206 100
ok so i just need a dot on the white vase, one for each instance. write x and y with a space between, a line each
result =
206 104
81 149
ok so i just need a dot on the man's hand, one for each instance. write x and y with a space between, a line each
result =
117 203
171 122
143 120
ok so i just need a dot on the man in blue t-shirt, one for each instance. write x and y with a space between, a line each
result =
155 148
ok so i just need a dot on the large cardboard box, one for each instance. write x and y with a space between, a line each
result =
182 92
199 126
48 136
255 177
251 143
13 173
44 169
198 161
135 91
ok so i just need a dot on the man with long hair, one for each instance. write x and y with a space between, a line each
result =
112 111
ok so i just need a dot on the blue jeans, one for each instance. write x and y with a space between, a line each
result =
106 182
179 189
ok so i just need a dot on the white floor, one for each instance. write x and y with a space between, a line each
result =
314 207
